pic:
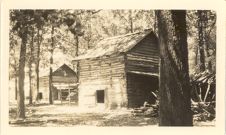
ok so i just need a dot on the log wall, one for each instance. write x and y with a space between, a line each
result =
143 59
111 74
44 84
106 74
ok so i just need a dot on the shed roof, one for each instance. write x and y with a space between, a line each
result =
114 45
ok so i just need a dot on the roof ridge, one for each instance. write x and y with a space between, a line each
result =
112 45
128 34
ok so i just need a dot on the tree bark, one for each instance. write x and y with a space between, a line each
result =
76 54
131 21
50 86
30 68
155 22
175 100
206 39
37 63
50 69
196 56
30 87
16 90
20 98
16 79
201 41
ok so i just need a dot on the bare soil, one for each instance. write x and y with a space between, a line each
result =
71 115
58 115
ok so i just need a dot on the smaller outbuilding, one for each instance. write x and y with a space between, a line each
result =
63 85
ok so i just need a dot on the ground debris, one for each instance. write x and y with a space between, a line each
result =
70 115
147 111
203 111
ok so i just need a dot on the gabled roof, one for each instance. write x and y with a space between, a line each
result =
57 70
64 70
114 45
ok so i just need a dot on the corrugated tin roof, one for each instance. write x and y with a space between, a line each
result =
114 45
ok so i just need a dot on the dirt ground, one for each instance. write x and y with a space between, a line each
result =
71 115
44 115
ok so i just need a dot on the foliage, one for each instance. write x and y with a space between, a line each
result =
90 26
209 35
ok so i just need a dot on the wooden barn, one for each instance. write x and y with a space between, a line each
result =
120 71
63 84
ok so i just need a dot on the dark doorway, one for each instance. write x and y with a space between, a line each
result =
64 95
140 89
100 96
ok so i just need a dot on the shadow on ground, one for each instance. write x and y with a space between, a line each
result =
70 115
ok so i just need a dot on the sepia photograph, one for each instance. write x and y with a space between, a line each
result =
112 68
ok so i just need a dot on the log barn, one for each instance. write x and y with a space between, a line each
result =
63 83
120 71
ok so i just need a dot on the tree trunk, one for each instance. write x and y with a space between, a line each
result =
20 98
131 21
155 22
201 41
37 63
175 100
50 69
16 80
196 56
30 87
16 90
206 39
30 68
50 86
76 54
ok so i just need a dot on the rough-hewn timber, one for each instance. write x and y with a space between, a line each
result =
127 78
103 74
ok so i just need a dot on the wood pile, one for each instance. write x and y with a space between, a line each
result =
146 111
203 111
204 91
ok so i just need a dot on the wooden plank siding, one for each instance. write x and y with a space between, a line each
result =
62 75
143 58
127 78
106 74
